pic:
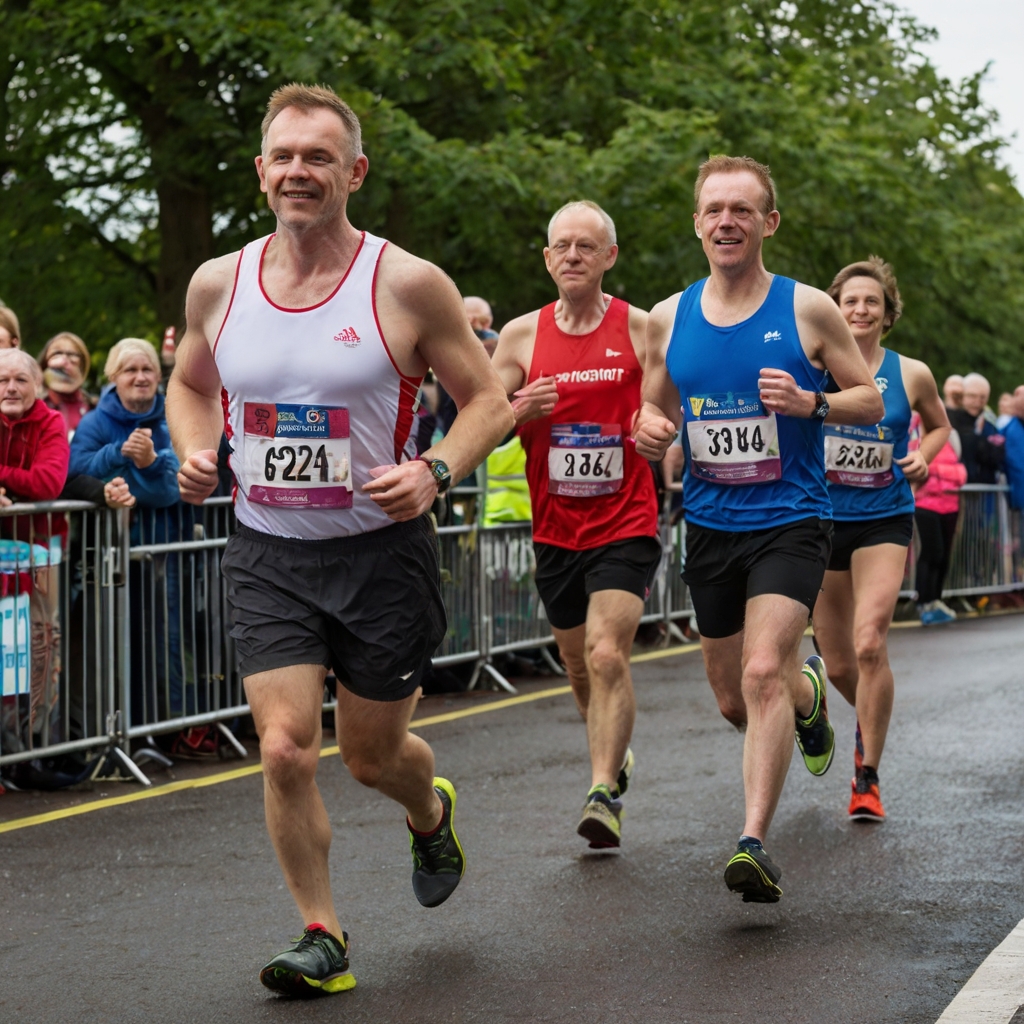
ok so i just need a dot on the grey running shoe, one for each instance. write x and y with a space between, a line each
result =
601 822
814 735
438 862
625 772
317 962
752 873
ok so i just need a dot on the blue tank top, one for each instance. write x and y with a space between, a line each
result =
864 481
748 468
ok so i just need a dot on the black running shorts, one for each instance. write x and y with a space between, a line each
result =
724 570
566 579
866 533
368 606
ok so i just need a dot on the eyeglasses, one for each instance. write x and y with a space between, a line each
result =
74 356
586 250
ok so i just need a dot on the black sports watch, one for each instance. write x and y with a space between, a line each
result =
821 407
440 472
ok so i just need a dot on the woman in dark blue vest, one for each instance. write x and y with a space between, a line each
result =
870 474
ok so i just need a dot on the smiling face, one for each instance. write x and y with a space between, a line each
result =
17 388
862 303
731 222
580 251
306 168
136 383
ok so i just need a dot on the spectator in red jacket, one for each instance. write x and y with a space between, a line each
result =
33 467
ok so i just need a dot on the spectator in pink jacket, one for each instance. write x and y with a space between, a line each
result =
937 509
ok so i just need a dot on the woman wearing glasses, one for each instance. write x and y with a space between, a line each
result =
65 364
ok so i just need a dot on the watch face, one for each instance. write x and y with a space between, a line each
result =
440 470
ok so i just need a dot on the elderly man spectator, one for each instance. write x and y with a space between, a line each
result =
481 319
980 443
1013 431
33 468
10 329
953 391
65 364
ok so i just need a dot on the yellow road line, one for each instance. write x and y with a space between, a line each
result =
255 769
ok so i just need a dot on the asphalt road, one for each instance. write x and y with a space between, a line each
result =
164 910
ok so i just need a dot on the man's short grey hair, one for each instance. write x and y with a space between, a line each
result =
20 357
584 204
977 380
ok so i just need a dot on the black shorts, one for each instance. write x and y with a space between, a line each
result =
368 606
724 570
566 579
848 536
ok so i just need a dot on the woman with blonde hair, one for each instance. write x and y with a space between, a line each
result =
65 364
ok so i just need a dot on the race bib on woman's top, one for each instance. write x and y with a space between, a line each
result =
297 456
859 456
733 440
585 459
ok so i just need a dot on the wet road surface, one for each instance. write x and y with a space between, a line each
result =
165 909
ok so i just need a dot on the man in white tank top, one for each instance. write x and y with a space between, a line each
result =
308 348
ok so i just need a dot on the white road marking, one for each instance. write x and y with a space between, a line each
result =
995 991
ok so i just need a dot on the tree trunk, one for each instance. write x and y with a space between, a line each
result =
186 241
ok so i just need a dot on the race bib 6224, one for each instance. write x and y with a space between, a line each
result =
297 456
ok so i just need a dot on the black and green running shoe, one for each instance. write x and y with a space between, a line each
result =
625 773
814 735
438 862
752 873
317 962
601 822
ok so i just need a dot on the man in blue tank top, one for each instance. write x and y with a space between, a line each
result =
741 359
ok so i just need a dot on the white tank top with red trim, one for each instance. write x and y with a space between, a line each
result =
312 402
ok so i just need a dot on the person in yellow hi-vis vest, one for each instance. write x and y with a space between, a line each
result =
506 492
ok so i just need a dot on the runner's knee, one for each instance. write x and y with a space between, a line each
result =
286 761
762 678
606 660
870 645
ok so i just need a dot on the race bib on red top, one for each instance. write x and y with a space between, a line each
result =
859 456
585 459
733 440
297 456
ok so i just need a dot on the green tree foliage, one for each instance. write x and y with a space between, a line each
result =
130 128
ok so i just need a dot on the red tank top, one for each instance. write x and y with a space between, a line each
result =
588 486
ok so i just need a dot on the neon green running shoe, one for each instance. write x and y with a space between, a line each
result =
601 822
752 873
438 862
317 962
814 735
625 772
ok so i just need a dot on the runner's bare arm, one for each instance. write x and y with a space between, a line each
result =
923 395
829 345
424 322
657 423
512 359
194 413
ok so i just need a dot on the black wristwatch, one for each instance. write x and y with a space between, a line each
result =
821 407
440 472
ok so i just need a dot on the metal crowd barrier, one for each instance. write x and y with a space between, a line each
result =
115 624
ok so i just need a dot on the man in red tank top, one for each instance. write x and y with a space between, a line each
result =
574 369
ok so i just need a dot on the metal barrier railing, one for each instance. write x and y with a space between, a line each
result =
115 624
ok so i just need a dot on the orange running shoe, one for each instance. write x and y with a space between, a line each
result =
865 803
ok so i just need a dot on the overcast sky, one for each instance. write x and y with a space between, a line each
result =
971 33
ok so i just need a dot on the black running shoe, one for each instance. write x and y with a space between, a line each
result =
601 822
317 962
752 873
814 735
438 862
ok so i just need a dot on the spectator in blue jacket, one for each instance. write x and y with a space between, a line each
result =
126 434
1013 431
